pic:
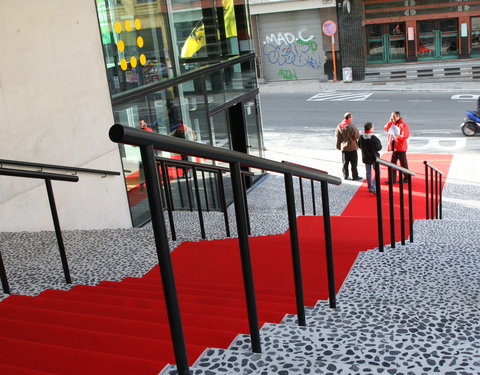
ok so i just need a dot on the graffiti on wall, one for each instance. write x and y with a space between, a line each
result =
288 74
288 50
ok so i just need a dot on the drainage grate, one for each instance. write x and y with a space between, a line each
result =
452 71
425 73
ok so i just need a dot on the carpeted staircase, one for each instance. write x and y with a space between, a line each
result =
413 309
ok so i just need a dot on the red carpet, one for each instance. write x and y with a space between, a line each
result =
121 327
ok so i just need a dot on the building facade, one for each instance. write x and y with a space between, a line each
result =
289 41
399 31
75 68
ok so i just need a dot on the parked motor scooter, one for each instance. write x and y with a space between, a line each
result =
471 125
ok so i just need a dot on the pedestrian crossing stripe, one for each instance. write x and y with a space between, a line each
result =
338 97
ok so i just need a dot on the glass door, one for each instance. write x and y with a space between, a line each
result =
386 43
475 37
437 39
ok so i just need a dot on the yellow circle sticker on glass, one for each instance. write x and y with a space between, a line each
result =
123 64
143 59
138 24
133 61
128 25
118 27
121 46
140 42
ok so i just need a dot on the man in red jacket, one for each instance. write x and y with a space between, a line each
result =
398 133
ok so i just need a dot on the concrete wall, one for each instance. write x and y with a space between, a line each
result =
55 108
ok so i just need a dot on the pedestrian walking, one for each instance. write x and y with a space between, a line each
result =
398 134
347 136
370 145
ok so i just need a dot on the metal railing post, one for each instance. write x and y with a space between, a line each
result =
199 203
164 260
427 206
313 198
432 197
436 195
402 211
410 206
168 200
379 207
223 202
391 206
179 183
205 193
245 199
295 247
189 190
242 228
328 244
3 277
58 231
440 198
302 199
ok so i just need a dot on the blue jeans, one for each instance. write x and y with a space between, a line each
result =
370 177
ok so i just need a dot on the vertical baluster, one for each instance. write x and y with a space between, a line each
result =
223 202
402 211
169 200
199 202
302 199
313 198
58 231
427 198
410 206
205 191
242 228
379 207
432 196
295 247
391 206
164 260
3 277
328 244
440 197
436 195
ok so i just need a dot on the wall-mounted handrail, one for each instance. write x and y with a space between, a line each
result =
57 167
433 194
48 177
392 168
147 141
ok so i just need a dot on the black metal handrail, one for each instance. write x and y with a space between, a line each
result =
433 195
184 165
48 177
57 167
392 168
147 142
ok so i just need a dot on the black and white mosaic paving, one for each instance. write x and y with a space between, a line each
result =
414 309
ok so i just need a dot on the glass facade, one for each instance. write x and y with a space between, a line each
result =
177 62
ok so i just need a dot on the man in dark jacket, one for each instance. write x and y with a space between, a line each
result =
370 145
347 136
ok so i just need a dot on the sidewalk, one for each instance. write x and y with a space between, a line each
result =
466 87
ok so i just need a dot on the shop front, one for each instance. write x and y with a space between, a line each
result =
400 31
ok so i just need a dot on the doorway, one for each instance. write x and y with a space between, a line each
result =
386 43
437 39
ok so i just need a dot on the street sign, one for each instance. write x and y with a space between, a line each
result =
329 28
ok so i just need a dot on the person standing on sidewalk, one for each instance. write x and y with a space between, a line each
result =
370 145
398 134
347 136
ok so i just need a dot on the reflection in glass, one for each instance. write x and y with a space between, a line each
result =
252 121
135 43
475 35
221 135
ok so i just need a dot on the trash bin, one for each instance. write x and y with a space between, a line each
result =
347 74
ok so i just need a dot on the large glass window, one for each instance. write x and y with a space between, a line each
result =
208 31
135 42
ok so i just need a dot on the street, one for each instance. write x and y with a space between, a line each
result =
306 121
